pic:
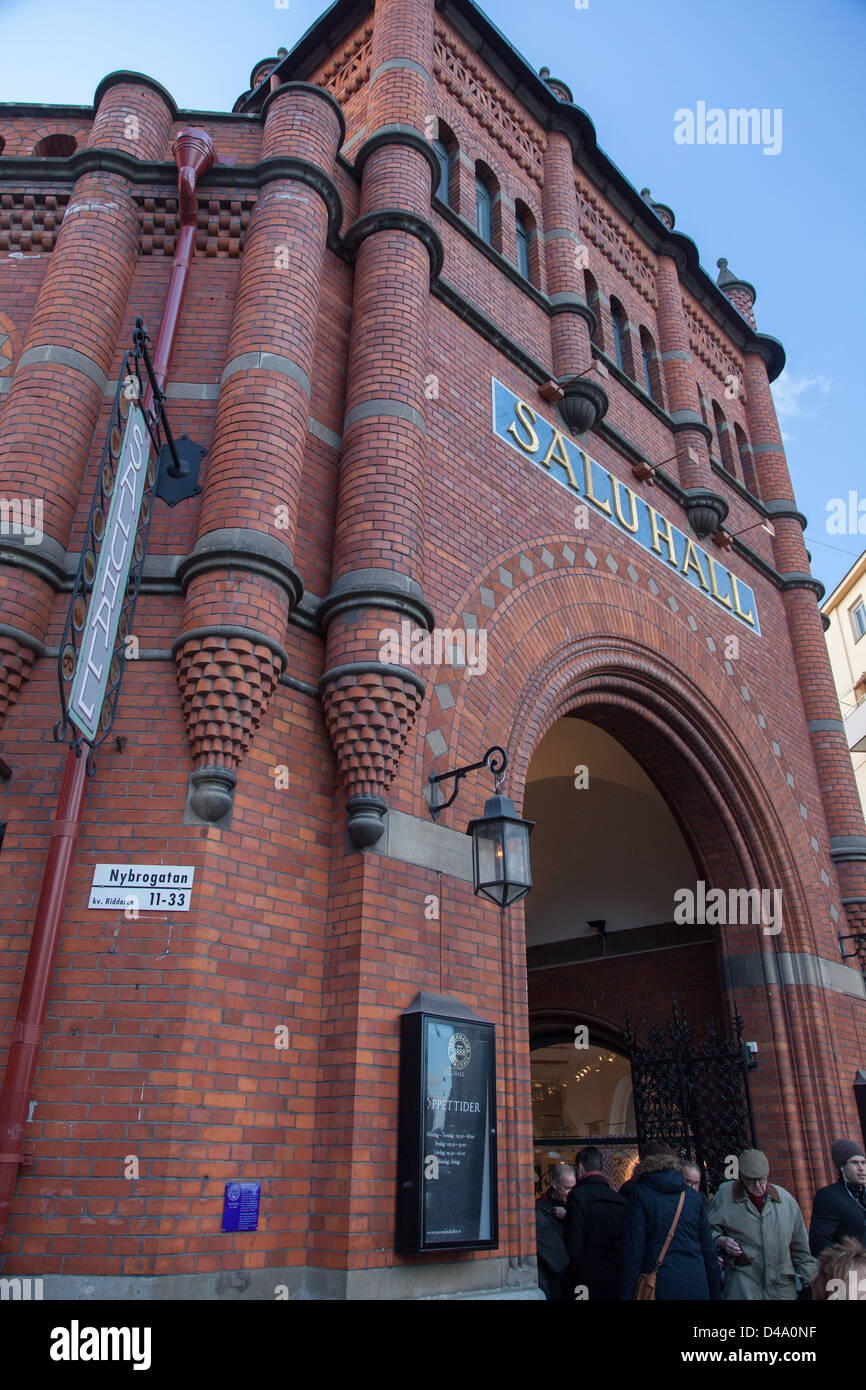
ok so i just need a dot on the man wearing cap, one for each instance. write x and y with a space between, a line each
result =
759 1229
840 1209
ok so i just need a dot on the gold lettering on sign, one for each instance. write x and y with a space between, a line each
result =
557 452
634 523
588 489
527 417
735 589
660 524
692 562
714 582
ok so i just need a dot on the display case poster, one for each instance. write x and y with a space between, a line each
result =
447 1175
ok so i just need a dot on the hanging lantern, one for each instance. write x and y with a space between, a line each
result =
500 839
500 852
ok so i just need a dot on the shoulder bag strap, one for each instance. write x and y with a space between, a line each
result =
670 1235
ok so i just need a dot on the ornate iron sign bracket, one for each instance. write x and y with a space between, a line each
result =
172 475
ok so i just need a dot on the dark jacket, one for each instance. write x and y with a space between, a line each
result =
593 1236
837 1211
690 1269
552 1254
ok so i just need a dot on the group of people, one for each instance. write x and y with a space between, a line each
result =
748 1242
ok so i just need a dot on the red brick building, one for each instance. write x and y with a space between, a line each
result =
399 388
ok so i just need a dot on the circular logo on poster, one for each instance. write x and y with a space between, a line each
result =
459 1051
233 1191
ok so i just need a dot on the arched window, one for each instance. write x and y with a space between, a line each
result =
527 243
723 435
619 321
483 211
445 148
747 462
56 147
593 299
487 206
703 403
651 367
522 246
444 170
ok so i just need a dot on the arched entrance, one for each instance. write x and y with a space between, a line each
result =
572 632
640 672
627 817
608 860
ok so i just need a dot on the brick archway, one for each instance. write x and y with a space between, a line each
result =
561 1022
733 832
569 638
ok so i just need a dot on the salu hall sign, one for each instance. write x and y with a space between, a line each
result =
520 426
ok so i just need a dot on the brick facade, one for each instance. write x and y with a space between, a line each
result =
335 355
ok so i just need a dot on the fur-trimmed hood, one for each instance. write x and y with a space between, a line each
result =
657 1163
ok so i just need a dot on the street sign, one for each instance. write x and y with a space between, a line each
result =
144 887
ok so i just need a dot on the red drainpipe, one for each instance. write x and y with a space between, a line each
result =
193 154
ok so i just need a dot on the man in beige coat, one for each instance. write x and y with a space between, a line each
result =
759 1229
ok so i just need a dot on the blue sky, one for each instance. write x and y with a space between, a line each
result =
790 223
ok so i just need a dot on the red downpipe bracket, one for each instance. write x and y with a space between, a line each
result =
194 154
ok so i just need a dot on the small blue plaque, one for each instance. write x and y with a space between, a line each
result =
241 1206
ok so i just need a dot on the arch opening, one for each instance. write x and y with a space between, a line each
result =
627 829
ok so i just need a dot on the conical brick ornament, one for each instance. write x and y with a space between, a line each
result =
369 715
226 682
15 663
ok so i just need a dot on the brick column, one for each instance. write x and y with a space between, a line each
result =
370 706
240 579
705 509
572 321
59 382
801 596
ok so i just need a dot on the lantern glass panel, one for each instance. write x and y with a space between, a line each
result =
517 855
489 856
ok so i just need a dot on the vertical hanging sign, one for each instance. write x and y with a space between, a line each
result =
97 641
446 1180
136 467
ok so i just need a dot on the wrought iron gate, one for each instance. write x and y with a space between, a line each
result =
693 1095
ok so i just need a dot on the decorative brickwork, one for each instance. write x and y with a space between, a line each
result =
369 719
10 345
346 74
482 97
710 348
221 225
15 663
30 221
604 231
226 684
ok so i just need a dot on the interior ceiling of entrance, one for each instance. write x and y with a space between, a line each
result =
585 1093
611 851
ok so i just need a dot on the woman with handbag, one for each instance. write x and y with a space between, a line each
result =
668 1250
